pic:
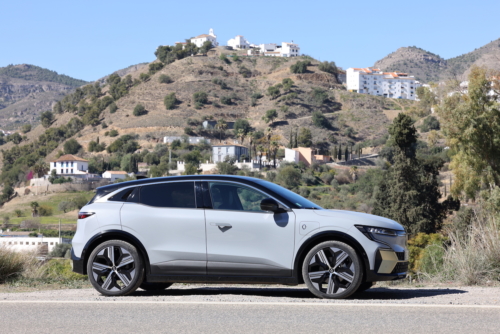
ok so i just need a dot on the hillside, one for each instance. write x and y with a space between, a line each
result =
427 66
28 90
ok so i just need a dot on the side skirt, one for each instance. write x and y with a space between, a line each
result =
221 279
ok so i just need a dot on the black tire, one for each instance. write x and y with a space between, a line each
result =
365 286
115 268
334 264
155 286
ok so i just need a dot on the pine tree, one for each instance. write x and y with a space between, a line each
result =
409 193
334 153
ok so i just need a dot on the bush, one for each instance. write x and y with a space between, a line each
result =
113 108
155 67
328 67
12 263
165 79
60 250
80 201
113 133
320 120
144 77
140 110
245 72
257 96
47 118
170 101
430 123
65 206
45 211
72 146
300 66
26 128
226 100
220 82
200 97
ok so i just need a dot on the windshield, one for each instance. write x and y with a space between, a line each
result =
299 201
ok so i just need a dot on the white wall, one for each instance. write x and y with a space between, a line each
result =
25 244
113 177
70 167
291 155
239 42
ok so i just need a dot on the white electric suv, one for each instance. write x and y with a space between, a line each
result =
151 233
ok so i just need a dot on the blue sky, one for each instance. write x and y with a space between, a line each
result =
90 39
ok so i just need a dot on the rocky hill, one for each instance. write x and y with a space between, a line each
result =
28 90
427 66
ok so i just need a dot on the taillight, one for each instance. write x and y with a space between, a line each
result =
83 215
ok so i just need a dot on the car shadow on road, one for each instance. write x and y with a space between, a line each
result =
300 293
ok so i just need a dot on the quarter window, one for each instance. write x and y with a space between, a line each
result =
169 195
227 196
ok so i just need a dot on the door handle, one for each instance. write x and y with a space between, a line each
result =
221 224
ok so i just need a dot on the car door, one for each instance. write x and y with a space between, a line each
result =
170 226
244 240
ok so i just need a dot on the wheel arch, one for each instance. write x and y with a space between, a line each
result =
115 235
328 236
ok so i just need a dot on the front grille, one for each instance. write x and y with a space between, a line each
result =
401 256
401 267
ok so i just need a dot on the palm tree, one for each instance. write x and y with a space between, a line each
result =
261 149
221 126
34 208
241 135
274 149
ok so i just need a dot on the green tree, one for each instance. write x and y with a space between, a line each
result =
328 66
270 116
15 138
200 97
242 124
144 77
289 177
273 92
72 146
155 67
47 118
471 124
339 157
227 166
346 154
305 137
165 79
26 128
409 193
287 84
113 108
170 101
207 45
320 120
139 110
300 66
58 109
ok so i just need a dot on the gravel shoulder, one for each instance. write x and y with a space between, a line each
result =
200 293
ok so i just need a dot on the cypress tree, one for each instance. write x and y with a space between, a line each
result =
346 153
339 157
334 153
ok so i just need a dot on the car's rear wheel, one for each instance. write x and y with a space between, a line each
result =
115 268
332 270
155 286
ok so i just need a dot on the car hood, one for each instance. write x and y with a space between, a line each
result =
359 218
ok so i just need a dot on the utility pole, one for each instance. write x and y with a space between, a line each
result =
60 230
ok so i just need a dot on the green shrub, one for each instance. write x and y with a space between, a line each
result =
245 72
113 108
26 128
113 133
45 211
170 101
220 82
155 67
144 77
200 97
60 250
300 66
226 100
139 110
417 247
320 120
430 123
224 58
11 263
165 79
328 67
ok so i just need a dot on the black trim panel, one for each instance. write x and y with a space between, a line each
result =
78 263
179 267
250 269
222 279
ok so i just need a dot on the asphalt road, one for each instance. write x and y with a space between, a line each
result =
251 310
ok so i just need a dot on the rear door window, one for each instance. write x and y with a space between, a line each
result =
169 195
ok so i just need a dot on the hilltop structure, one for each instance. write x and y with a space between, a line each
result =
239 43
199 40
375 82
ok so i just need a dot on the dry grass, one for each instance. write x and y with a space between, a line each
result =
13 264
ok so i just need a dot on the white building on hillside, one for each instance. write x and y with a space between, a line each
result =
238 43
372 81
199 40
69 164
284 50
114 175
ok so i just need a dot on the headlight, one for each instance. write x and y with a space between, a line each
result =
368 231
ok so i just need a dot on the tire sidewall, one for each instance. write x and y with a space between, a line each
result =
358 275
139 268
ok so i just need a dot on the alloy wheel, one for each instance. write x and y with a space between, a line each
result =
113 268
331 270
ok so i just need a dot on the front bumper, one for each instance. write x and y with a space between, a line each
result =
77 264
389 265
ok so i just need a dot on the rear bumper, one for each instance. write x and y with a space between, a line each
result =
77 264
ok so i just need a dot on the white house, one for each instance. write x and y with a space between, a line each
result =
191 140
239 43
290 50
69 164
220 152
199 40
285 50
375 82
291 155
114 175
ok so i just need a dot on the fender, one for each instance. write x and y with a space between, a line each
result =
324 236
110 235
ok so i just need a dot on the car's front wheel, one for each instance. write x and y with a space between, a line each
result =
115 268
332 270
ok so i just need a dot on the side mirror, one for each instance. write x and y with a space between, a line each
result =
269 204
